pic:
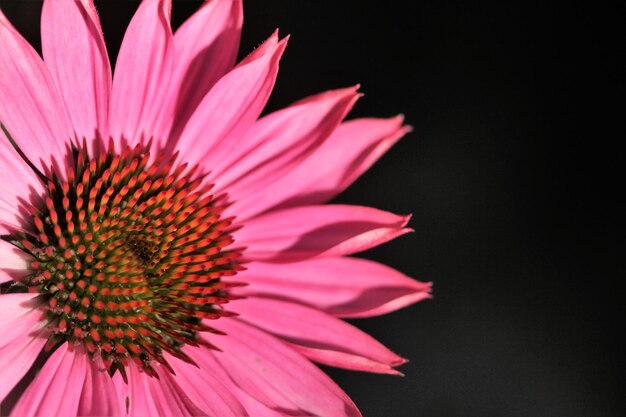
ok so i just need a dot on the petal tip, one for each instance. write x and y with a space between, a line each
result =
283 42
405 129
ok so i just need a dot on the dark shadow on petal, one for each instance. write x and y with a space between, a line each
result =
318 241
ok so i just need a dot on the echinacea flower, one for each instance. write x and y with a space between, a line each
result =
133 208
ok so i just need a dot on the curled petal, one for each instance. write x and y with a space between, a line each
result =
318 336
349 151
341 286
278 143
233 104
206 48
318 231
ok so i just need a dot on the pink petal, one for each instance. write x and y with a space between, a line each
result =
342 286
206 47
256 408
211 395
233 104
74 52
142 73
317 335
18 183
14 263
315 231
148 396
210 366
30 107
169 397
273 373
352 148
136 396
21 338
56 390
98 397
278 143
19 315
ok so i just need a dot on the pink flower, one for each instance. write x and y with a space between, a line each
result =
133 208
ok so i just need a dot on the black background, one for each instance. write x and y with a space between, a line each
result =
511 174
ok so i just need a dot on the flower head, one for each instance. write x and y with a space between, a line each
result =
164 249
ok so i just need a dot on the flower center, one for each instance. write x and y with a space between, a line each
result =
129 257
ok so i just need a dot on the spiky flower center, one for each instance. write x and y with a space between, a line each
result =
129 257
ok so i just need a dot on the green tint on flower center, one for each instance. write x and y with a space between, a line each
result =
129 257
